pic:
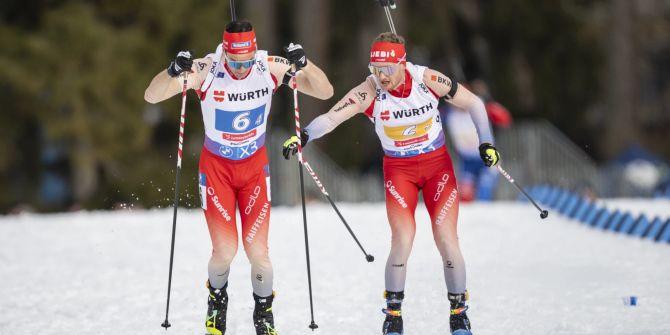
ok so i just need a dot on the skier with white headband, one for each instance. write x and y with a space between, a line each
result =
401 100
235 85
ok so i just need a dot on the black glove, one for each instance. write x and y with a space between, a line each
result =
489 154
183 62
295 55
290 146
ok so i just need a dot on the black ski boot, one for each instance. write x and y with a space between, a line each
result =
393 321
458 319
263 319
217 306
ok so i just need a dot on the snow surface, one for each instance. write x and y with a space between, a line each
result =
106 273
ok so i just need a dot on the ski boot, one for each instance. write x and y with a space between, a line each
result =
217 306
458 320
263 318
393 321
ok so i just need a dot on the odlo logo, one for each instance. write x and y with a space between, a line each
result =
440 186
252 200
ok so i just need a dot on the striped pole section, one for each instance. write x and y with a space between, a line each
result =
302 159
304 163
296 113
182 120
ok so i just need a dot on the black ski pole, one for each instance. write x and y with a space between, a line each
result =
368 257
388 5
543 212
309 169
182 119
312 324
233 16
303 161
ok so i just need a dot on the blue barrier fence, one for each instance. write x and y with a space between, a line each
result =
588 212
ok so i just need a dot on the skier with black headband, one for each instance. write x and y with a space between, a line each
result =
235 85
401 100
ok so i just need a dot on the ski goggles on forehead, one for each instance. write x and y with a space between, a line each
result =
387 70
239 64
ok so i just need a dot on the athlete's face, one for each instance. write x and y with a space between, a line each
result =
240 64
390 75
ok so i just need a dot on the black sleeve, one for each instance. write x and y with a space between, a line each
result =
452 91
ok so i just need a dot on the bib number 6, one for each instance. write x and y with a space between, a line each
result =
241 122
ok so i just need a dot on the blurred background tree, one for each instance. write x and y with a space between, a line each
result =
77 132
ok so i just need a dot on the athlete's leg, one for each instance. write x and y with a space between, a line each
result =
254 205
441 197
218 202
401 198
440 193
